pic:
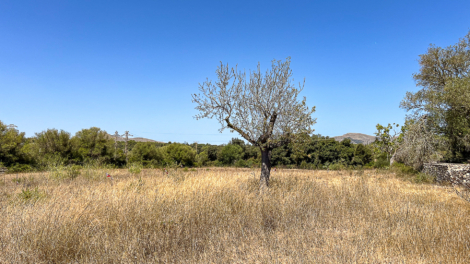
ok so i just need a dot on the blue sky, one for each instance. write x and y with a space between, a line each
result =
133 65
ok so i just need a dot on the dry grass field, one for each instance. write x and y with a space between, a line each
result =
218 216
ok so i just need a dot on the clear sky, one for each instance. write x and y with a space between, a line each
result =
133 65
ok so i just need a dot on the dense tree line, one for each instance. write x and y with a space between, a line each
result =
54 147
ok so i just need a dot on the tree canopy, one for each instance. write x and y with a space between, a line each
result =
263 109
444 97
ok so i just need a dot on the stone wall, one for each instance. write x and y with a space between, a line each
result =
449 172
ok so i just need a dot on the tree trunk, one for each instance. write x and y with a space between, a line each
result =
265 168
392 159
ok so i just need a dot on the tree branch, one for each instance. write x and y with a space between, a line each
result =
243 134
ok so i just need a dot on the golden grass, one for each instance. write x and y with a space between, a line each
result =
218 216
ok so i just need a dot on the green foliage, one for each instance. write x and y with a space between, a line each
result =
58 173
73 171
423 178
241 163
202 158
401 169
230 153
92 144
52 142
31 195
179 153
20 168
386 139
362 155
92 152
211 151
337 166
146 153
10 145
444 97
410 174
135 168
382 161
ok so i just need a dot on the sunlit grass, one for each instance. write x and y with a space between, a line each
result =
219 216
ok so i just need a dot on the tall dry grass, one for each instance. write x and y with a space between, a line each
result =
218 216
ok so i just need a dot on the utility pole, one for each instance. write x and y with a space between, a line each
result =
126 139
116 135
196 146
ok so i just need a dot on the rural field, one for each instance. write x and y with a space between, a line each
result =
217 215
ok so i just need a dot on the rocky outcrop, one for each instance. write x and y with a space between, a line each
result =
448 172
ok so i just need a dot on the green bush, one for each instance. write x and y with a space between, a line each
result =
135 168
28 195
252 162
423 178
402 170
57 172
73 171
241 164
230 153
337 166
179 153
202 158
381 162
19 168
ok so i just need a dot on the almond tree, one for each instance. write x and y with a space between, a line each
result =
263 109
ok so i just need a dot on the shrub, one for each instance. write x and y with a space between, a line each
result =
29 195
73 171
336 166
401 169
230 153
241 163
382 162
179 153
19 168
423 178
135 168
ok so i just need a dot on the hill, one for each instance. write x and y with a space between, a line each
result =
137 139
356 138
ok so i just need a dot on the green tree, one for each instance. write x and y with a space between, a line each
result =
362 155
11 142
443 78
456 96
179 153
202 158
53 141
386 141
230 153
92 144
212 151
264 109
146 153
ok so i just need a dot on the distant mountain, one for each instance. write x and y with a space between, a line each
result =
137 139
356 138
